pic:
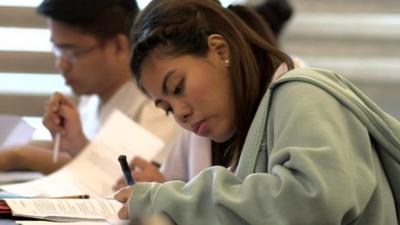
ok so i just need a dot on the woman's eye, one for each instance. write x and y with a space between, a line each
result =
178 90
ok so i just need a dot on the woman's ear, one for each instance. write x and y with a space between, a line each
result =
218 44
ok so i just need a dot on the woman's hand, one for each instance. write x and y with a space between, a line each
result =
142 171
123 196
61 116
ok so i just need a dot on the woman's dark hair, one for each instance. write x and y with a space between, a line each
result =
276 13
255 22
101 18
177 28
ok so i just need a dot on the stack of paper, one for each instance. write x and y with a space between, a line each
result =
96 169
23 222
65 210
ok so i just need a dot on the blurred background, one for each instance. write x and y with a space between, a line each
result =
359 39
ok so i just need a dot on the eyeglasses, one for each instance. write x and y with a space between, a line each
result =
72 54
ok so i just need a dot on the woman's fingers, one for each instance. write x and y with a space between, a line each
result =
123 196
119 184
123 213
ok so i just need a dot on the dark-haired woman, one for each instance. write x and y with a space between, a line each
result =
303 145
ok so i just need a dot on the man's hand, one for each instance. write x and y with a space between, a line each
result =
61 116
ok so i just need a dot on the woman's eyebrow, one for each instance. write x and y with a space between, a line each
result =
164 88
166 78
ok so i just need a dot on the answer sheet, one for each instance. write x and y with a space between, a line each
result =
23 222
65 209
95 170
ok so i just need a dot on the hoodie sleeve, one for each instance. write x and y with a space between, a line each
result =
321 170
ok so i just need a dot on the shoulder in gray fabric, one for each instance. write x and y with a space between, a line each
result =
384 129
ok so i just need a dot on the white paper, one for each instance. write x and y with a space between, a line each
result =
18 176
65 209
41 133
96 169
23 222
14 131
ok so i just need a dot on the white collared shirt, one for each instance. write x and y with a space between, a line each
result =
132 102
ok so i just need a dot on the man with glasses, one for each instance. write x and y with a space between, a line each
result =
90 42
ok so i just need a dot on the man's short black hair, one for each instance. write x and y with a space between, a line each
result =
102 18
80 11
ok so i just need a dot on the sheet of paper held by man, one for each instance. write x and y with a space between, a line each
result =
41 133
14 131
96 169
64 210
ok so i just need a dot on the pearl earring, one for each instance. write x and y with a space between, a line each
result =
227 61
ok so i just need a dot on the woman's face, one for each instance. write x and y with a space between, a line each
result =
197 90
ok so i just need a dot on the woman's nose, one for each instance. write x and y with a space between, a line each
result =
182 112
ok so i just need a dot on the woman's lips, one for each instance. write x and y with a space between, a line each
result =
200 128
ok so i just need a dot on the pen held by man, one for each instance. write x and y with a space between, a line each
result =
63 119
54 121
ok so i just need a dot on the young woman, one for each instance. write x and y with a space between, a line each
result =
302 146
191 153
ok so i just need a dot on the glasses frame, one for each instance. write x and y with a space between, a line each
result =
72 54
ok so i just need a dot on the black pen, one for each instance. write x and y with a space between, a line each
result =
126 170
